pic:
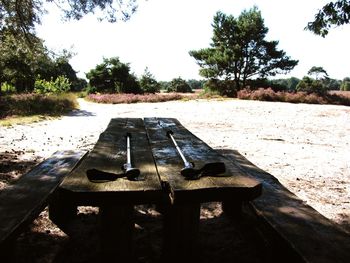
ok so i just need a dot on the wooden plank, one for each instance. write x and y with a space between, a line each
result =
109 155
21 202
232 185
313 237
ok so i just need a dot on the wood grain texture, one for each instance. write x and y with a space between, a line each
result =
233 184
22 201
109 155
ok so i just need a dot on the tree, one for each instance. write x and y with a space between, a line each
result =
19 63
22 15
113 76
331 15
317 71
239 50
179 85
148 83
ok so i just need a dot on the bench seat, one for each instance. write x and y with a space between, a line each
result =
295 232
22 201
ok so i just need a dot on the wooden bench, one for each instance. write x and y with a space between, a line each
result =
21 202
160 182
292 230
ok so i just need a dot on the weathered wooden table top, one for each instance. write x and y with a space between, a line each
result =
155 155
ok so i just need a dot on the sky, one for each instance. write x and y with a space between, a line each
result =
162 32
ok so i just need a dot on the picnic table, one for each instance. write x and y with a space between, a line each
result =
160 182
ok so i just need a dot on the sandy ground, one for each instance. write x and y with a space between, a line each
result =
305 146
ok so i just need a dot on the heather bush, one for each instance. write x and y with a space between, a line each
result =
32 104
298 97
132 98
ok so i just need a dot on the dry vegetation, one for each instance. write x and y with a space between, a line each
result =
336 98
32 104
133 98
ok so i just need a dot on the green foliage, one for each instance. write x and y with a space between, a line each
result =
333 14
17 64
20 63
179 85
113 76
164 85
22 16
239 50
60 85
310 85
7 88
78 84
345 85
148 83
196 84
222 87
288 84
331 84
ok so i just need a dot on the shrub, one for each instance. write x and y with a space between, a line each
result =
7 88
179 85
59 85
90 89
345 85
31 104
222 87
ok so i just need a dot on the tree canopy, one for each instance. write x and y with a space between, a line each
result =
239 50
112 75
21 16
333 14
317 71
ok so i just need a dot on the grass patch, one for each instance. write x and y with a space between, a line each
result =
15 120
133 98
298 97
36 104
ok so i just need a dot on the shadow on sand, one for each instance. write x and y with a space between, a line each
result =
81 113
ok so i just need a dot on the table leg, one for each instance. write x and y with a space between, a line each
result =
232 209
181 226
61 210
116 226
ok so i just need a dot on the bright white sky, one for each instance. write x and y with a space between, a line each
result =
162 32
